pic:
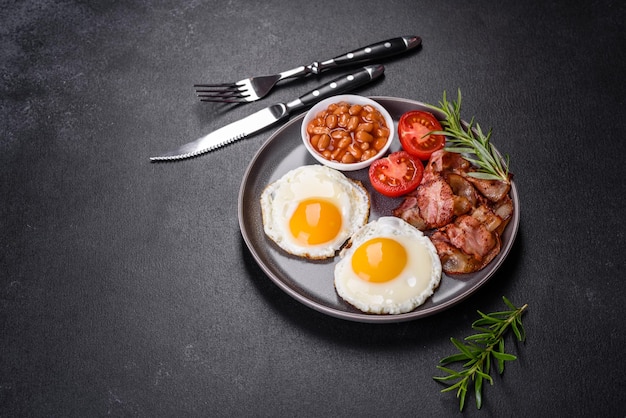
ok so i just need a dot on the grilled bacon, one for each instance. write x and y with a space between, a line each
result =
494 190
430 206
463 216
455 260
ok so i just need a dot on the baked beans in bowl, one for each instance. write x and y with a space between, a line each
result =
347 132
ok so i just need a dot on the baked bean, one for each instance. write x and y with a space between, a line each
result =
356 151
382 132
318 130
348 133
363 136
344 142
367 127
331 121
337 154
315 139
323 142
379 143
353 123
341 109
355 109
344 118
368 154
348 158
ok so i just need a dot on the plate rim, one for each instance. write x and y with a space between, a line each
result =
362 316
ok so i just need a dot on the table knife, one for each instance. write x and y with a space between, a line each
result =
271 115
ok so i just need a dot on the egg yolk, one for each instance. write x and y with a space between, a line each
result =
379 260
315 221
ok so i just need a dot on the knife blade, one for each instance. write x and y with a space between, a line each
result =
271 115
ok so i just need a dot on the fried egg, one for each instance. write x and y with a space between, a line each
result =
388 267
313 210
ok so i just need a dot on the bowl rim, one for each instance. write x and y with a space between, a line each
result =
350 98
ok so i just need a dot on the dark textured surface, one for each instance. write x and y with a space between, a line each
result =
127 290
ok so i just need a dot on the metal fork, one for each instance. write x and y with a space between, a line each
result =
254 88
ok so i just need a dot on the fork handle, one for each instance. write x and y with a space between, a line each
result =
336 86
371 52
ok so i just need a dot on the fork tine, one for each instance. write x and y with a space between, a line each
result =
229 93
218 99
228 86
222 96
225 89
216 84
217 92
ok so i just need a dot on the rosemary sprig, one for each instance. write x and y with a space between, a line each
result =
480 349
472 142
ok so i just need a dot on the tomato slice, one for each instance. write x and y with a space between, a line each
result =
413 128
397 174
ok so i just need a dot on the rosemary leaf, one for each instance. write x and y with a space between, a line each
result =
453 358
462 348
461 394
520 328
451 376
478 390
500 360
516 331
508 303
458 386
503 356
460 150
485 376
478 337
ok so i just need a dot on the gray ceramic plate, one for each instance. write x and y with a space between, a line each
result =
311 282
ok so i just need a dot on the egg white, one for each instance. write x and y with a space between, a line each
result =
280 199
410 289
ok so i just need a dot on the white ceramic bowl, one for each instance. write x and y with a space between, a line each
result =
352 99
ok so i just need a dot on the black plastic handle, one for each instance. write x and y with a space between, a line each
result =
338 86
373 52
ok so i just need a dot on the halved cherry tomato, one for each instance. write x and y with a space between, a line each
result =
397 174
413 128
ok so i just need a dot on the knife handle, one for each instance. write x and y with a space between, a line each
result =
337 86
372 52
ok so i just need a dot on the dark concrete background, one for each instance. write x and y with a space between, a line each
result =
126 288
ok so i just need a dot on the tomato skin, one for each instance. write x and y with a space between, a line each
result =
412 127
397 174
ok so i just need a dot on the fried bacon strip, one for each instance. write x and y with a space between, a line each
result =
465 246
494 190
463 216
430 206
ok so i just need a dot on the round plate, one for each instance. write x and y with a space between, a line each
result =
311 282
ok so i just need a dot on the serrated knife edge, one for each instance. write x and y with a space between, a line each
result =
227 134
